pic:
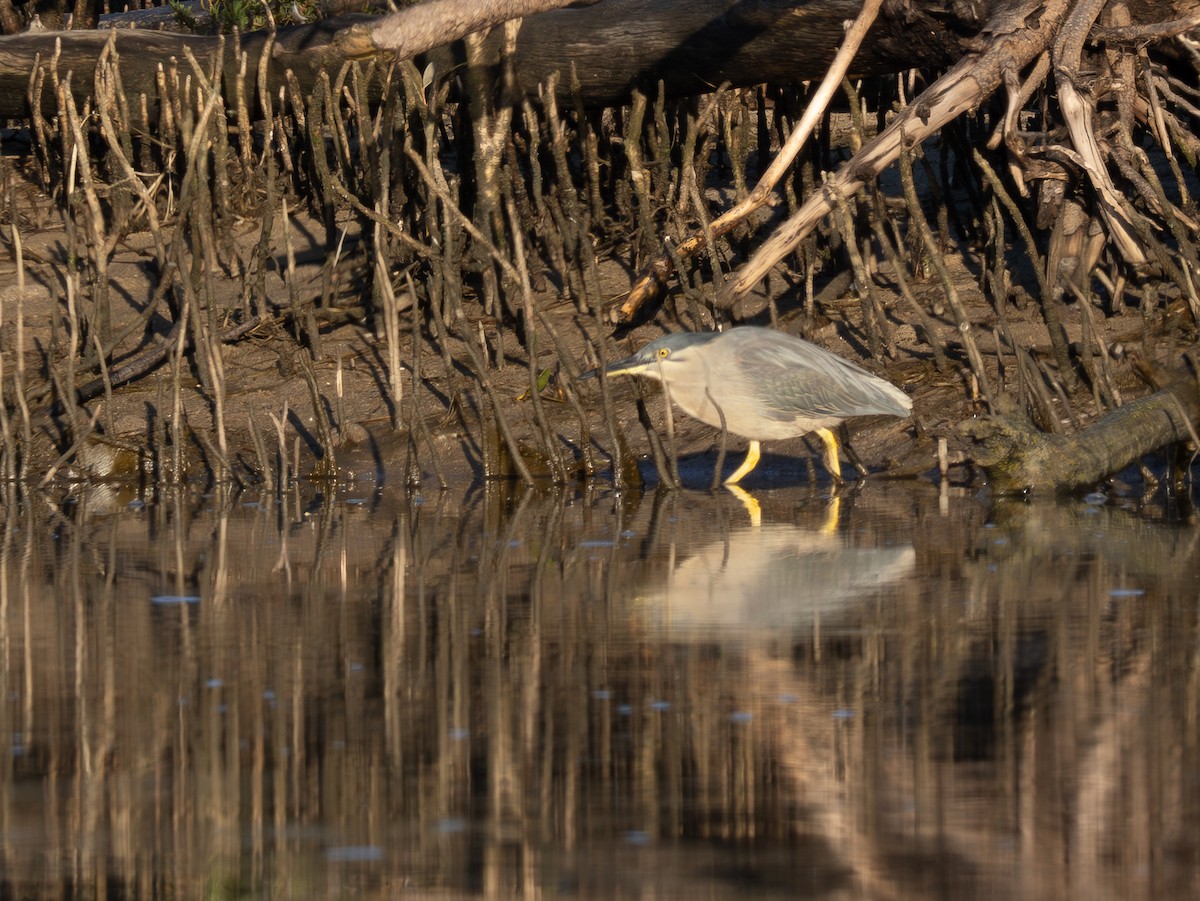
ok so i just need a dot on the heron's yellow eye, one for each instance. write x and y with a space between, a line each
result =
664 352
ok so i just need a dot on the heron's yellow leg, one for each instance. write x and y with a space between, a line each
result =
831 454
748 501
752 458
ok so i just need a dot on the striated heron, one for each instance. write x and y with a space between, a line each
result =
763 384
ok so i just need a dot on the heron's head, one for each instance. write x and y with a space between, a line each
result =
669 357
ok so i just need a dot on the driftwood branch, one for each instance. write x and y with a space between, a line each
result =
304 50
1018 458
656 272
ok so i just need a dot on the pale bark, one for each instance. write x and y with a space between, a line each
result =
418 29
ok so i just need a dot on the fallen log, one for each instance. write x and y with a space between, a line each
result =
1018 457
693 46
611 47
305 50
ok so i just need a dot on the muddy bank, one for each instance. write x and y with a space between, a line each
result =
407 290
447 428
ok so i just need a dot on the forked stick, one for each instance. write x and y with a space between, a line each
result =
1077 113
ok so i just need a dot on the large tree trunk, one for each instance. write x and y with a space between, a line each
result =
697 45
611 46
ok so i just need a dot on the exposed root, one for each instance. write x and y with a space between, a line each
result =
1078 115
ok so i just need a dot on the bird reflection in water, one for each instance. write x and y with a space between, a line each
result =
771 578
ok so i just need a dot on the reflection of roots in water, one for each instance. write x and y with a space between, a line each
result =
458 684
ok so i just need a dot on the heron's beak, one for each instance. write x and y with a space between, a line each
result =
628 366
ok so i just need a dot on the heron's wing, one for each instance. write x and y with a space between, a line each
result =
797 379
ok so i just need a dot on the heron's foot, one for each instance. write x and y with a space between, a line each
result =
753 455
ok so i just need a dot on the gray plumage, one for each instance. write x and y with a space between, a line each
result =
769 385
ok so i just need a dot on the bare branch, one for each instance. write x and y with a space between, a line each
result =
418 29
1134 35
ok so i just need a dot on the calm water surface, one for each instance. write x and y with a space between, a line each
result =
898 694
